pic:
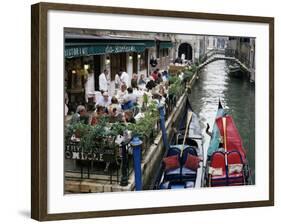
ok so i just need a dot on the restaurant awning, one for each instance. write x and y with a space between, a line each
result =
165 44
78 46
99 49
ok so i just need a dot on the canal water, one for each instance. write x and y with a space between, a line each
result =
237 96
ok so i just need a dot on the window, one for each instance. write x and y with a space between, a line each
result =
163 52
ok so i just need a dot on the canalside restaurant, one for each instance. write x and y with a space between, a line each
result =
84 51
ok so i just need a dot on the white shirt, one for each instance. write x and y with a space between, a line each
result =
125 78
130 97
103 83
117 79
90 84
65 110
104 103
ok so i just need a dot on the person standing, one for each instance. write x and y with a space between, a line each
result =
103 82
153 62
66 100
117 81
90 86
134 81
124 77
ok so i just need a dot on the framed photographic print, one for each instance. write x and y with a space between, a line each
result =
138 111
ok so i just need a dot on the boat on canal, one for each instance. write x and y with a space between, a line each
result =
226 164
233 68
182 164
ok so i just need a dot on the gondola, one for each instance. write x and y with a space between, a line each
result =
234 68
235 71
182 164
226 164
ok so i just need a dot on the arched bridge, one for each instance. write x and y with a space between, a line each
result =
216 56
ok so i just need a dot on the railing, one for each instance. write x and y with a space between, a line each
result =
242 57
99 163
210 53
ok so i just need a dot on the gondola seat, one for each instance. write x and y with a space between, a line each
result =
217 170
181 172
189 172
235 168
234 175
172 166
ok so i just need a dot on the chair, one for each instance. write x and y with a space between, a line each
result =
218 178
235 163
186 173
173 174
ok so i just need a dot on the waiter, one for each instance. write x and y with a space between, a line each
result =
103 82
124 77
90 86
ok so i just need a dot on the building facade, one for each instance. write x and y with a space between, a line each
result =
243 48
189 47
113 51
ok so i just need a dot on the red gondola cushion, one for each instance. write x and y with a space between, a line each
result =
192 162
171 162
218 160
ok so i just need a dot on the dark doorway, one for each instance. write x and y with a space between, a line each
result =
135 62
97 70
185 49
117 62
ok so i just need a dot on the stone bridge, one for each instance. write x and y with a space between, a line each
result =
216 55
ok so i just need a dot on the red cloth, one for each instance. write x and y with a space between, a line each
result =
154 75
192 162
218 161
233 139
171 162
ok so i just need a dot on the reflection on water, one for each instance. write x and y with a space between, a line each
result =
237 96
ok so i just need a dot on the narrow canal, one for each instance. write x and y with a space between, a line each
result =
237 96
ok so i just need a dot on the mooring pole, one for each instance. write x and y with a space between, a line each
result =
136 143
124 166
162 126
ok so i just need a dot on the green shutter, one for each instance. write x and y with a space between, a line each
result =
165 44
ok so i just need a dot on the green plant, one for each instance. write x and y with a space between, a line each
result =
144 125
145 98
145 102
68 132
173 79
78 129
193 68
176 87
100 136
187 75
103 134
117 128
